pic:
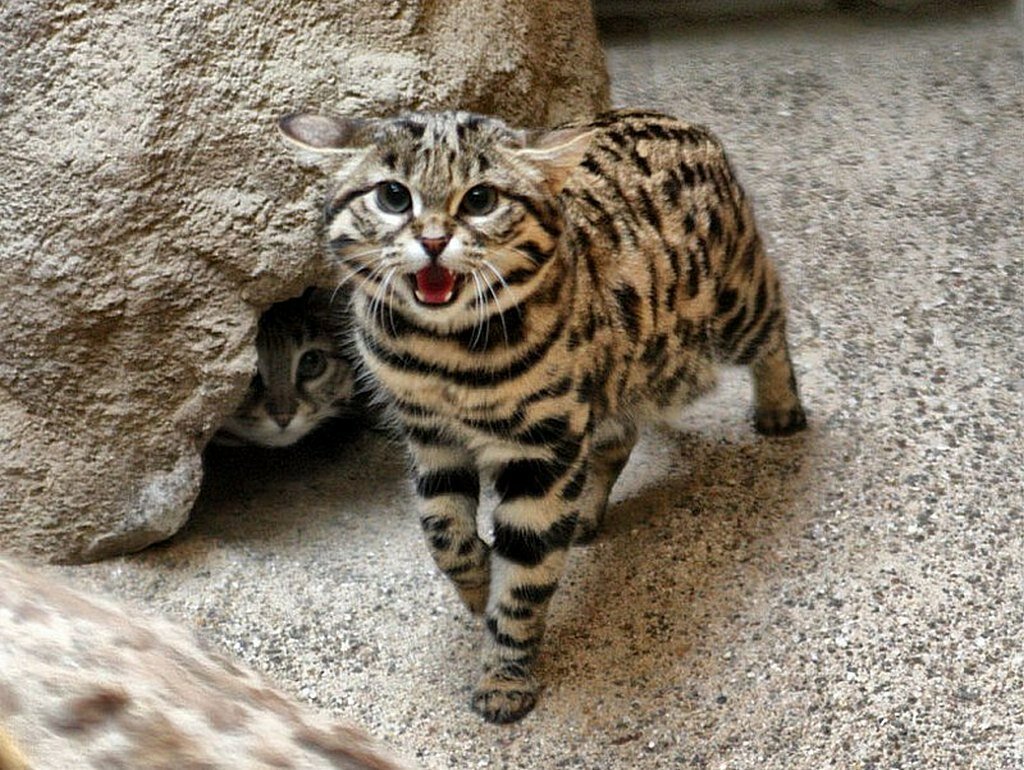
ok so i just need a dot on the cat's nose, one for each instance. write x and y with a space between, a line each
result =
433 246
282 418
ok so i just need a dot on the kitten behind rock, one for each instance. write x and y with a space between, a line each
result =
303 380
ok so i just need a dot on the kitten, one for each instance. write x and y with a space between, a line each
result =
302 381
524 301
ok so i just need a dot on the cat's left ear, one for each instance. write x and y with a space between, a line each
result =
558 153
324 138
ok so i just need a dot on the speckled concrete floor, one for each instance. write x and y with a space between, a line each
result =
852 597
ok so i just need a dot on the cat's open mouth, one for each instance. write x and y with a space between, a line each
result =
435 285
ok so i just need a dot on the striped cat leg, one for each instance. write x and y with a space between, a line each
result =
777 408
448 488
751 331
533 526
612 444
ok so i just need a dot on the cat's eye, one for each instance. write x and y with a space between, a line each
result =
312 364
394 197
479 200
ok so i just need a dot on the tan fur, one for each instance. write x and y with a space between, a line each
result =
11 757
527 340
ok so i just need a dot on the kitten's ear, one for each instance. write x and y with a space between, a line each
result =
558 152
321 138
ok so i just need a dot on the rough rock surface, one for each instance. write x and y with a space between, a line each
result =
149 214
85 683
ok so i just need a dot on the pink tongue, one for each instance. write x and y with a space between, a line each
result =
435 284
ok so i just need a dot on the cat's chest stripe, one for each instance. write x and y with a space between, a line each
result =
473 377
489 345
505 328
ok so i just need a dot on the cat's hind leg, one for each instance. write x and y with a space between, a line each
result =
612 444
777 407
750 330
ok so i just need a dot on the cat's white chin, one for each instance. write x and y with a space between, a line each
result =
264 432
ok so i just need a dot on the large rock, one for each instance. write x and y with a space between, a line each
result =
149 214
85 683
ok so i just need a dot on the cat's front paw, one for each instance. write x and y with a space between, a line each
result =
588 525
586 533
780 422
505 695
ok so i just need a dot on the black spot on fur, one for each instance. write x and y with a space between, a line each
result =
545 432
641 162
671 187
533 477
714 224
689 222
649 210
655 350
534 252
529 548
452 481
726 301
629 309
536 594
505 640
574 488
688 176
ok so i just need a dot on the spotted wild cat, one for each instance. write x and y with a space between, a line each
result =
525 301
302 379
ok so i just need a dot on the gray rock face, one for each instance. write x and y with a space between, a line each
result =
150 214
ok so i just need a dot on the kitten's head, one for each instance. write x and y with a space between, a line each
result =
302 379
441 215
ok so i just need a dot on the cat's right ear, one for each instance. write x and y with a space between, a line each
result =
323 139
558 153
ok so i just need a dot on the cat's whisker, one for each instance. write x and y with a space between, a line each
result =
355 257
365 273
377 304
493 299
481 311
380 296
497 300
388 281
508 289
347 279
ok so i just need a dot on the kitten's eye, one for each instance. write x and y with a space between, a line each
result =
479 200
311 365
394 197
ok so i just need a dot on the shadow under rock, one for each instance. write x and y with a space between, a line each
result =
674 564
258 494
